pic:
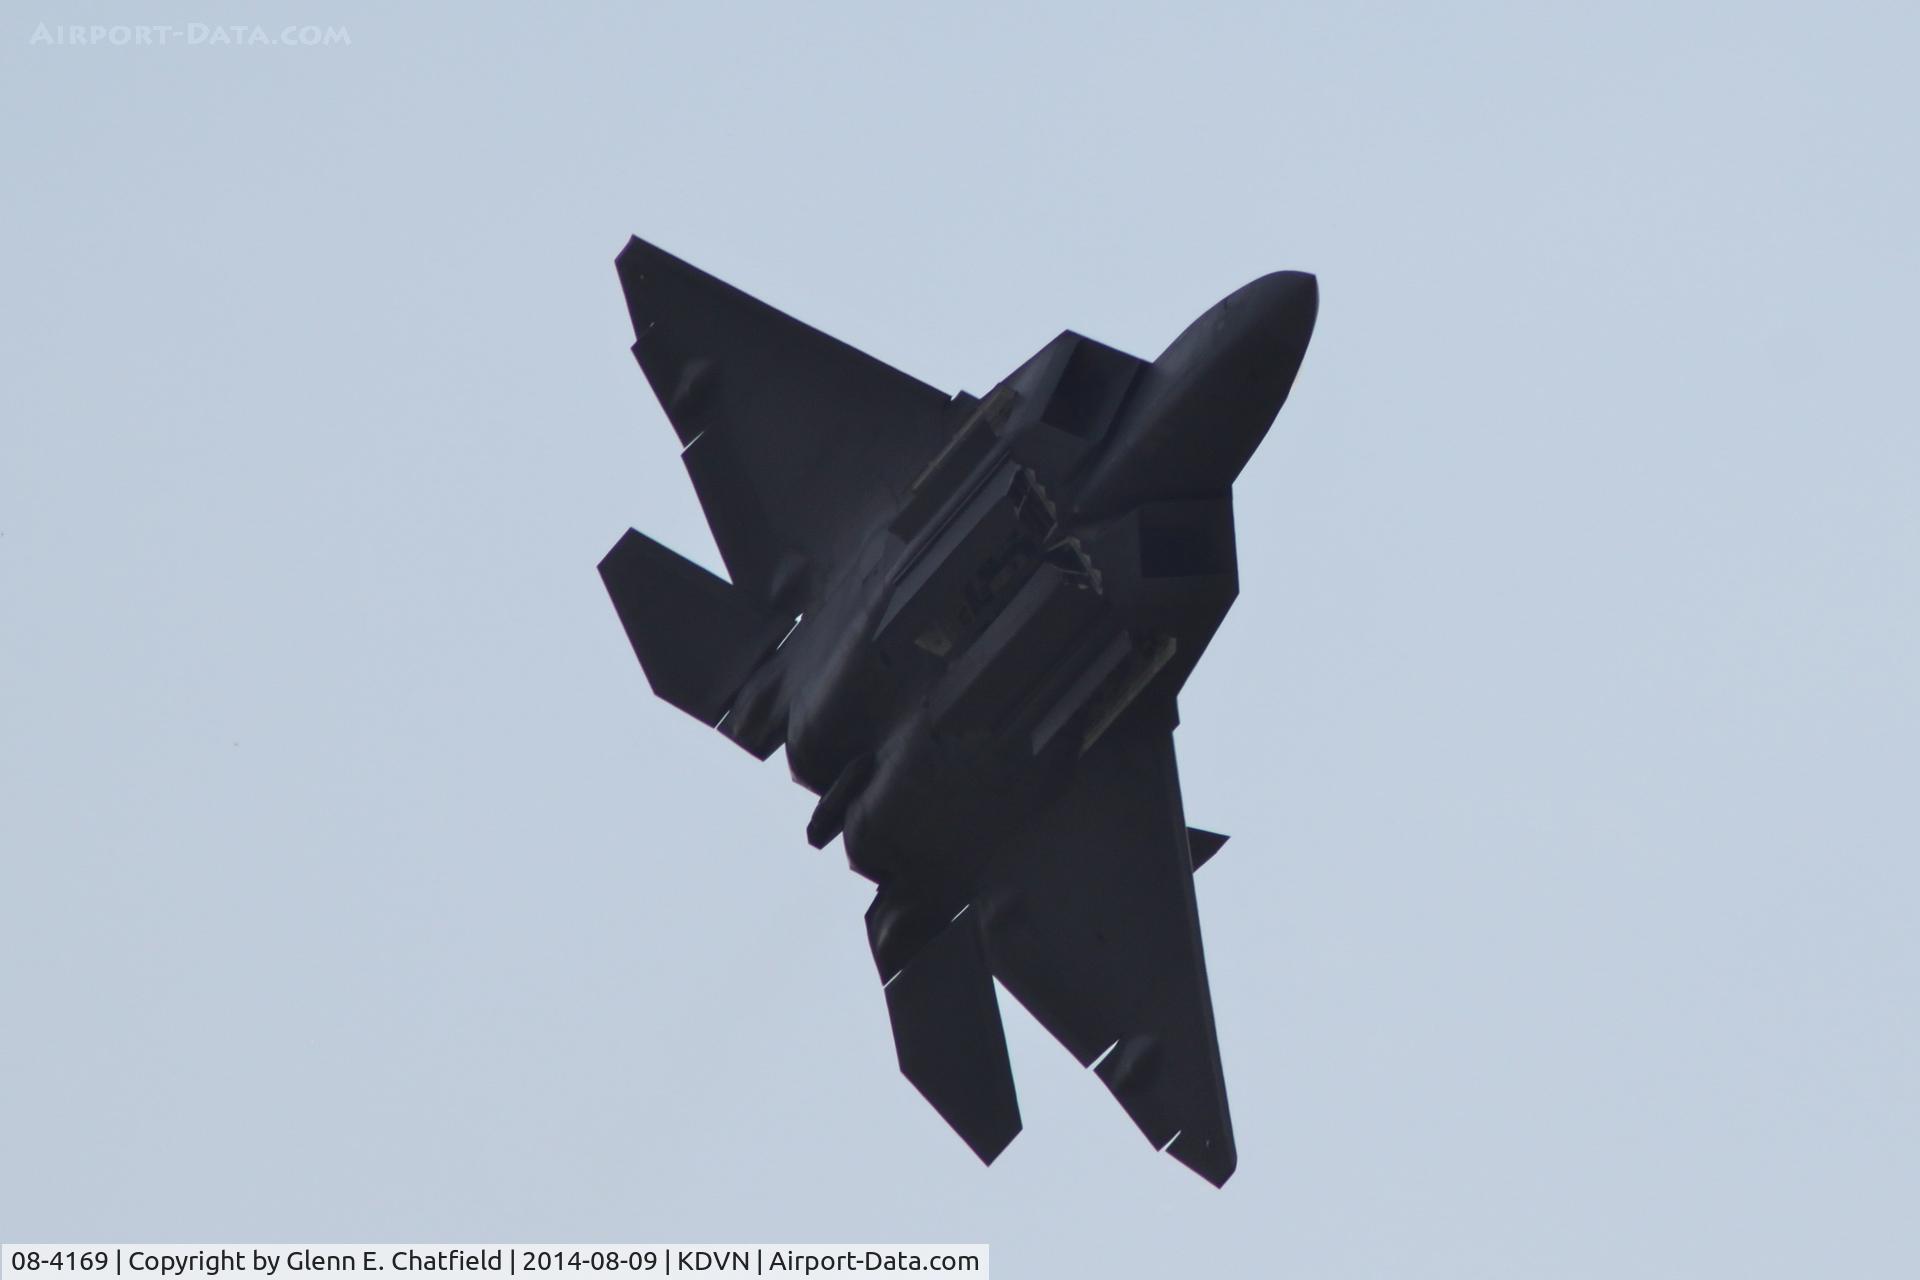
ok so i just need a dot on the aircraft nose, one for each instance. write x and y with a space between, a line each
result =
1257 335
1203 407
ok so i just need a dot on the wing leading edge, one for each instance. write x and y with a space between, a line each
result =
797 443
1092 925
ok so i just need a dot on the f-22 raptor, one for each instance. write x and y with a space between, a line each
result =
967 620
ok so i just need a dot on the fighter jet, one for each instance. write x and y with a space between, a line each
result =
968 620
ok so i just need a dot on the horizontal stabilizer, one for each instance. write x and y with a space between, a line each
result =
946 1028
698 637
1203 845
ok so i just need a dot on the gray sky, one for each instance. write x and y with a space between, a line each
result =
1567 727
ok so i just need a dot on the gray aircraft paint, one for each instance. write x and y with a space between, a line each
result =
967 621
